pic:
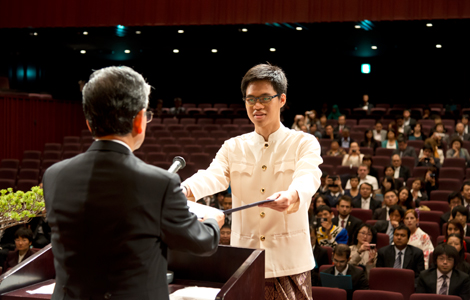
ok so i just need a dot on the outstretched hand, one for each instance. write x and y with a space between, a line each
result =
282 200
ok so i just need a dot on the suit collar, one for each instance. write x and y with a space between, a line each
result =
103 145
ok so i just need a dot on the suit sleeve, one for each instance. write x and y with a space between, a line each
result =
181 230
465 289
421 285
363 282
419 262
380 260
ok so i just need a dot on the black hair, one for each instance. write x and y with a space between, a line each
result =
342 249
402 138
462 247
398 208
370 228
409 201
112 98
460 209
392 181
226 226
429 147
402 227
228 195
323 208
345 198
366 183
448 250
315 211
24 232
455 195
268 72
467 182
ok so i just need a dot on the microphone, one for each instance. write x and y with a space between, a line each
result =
178 163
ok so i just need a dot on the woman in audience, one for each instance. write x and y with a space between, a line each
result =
298 122
417 133
322 123
440 132
23 242
367 159
418 237
311 118
454 227
431 180
418 193
435 151
314 130
334 115
389 171
225 232
388 184
369 141
354 191
404 199
364 249
335 149
391 141
318 201
457 151
354 157
455 240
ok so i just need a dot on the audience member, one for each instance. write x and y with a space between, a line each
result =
417 133
354 157
344 219
444 279
400 255
298 122
353 192
225 233
219 200
314 130
403 149
369 141
460 214
41 232
454 199
345 140
427 158
400 170
418 237
322 123
23 242
435 151
366 105
404 198
367 160
178 109
390 199
320 255
460 132
454 227
334 114
418 193
456 150
341 125
364 248
426 113
430 180
407 120
310 118
402 128
318 201
439 133
455 240
341 257
329 133
335 191
397 214
335 149
379 133
465 190
362 173
324 185
464 121
389 183
228 205
366 201
329 234
391 141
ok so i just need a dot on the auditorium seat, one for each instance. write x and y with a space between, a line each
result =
432 229
166 141
440 195
378 111
450 184
8 173
351 122
181 133
72 147
211 150
161 133
454 162
7 183
383 161
329 250
327 169
393 280
205 121
210 111
342 170
371 222
170 121
210 127
384 152
192 148
376 294
241 121
200 160
174 127
332 160
430 216
168 148
416 144
9 163
53 146
52 154
367 122
319 292
409 162
420 172
46 163
26 184
140 154
382 238
360 129
192 127
362 214
222 121
188 171
454 173
31 154
70 154
194 111
325 143
217 134
186 141
188 121
162 164
71 140
247 128
230 127
433 297
156 127
206 141
29 174
367 151
437 205
189 105
150 148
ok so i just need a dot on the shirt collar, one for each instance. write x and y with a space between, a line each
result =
119 142
275 136
345 271
402 251
439 274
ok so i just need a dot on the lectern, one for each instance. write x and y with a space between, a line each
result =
238 272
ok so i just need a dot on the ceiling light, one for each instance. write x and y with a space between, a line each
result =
374 47
180 31
429 24
85 33
82 51
357 26
244 30
127 51
138 32
35 33
176 51
298 28
272 49
214 50
438 46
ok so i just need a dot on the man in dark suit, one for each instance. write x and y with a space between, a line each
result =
460 133
401 255
454 199
341 125
444 279
390 199
366 201
344 218
400 170
345 139
113 216
404 150
397 214
341 256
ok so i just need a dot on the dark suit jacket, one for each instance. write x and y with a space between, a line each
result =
380 214
351 227
373 204
404 173
112 218
381 226
459 283
409 152
321 258
336 130
358 277
413 259
12 259
466 137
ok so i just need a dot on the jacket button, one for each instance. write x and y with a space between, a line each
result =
262 214
262 191
264 167
266 145
262 238
107 296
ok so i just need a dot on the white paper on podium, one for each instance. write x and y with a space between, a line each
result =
200 210
195 293
45 289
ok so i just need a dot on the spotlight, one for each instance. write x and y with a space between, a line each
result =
272 49
244 30
374 47
298 28
357 26
138 32
438 46
85 33
35 33
214 50
82 51
176 51
180 31
127 51
429 24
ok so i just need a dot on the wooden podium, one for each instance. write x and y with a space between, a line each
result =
238 272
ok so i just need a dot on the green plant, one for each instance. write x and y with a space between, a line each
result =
19 207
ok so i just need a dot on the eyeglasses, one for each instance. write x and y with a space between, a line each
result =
443 258
149 115
365 233
262 100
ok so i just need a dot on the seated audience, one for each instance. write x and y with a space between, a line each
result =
401 171
228 205
404 198
390 199
314 130
455 240
456 150
454 227
353 192
23 242
466 193
335 190
310 118
298 122
329 133
444 279
379 133
344 219
418 193
364 248
464 121
320 255
341 126
397 214
430 155
369 141
391 141
363 174
417 134
418 237
439 133
341 257
407 119
460 132
460 214
454 199
400 255
318 201
366 201
367 160
335 113
345 139
401 127
335 149
178 109
366 105
354 157
388 182
324 185
327 233
322 123
431 180
225 233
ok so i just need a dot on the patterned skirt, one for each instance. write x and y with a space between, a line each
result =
294 287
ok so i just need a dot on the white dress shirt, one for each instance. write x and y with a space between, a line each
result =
397 173
345 271
340 221
365 203
369 179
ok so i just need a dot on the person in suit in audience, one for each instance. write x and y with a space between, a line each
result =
404 150
345 139
454 199
366 201
401 171
363 174
345 219
397 214
23 242
460 214
465 191
400 255
402 128
390 199
460 132
379 133
108 196
444 279
341 257
407 119
367 160
456 240
320 255
341 126
335 190
329 234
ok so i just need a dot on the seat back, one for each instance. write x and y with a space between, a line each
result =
362 214
329 250
437 205
430 216
382 240
393 280
382 295
319 292
432 229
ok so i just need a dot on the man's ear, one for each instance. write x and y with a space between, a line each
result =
139 122
283 99
88 125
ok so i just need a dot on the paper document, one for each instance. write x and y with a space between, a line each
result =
195 293
45 289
